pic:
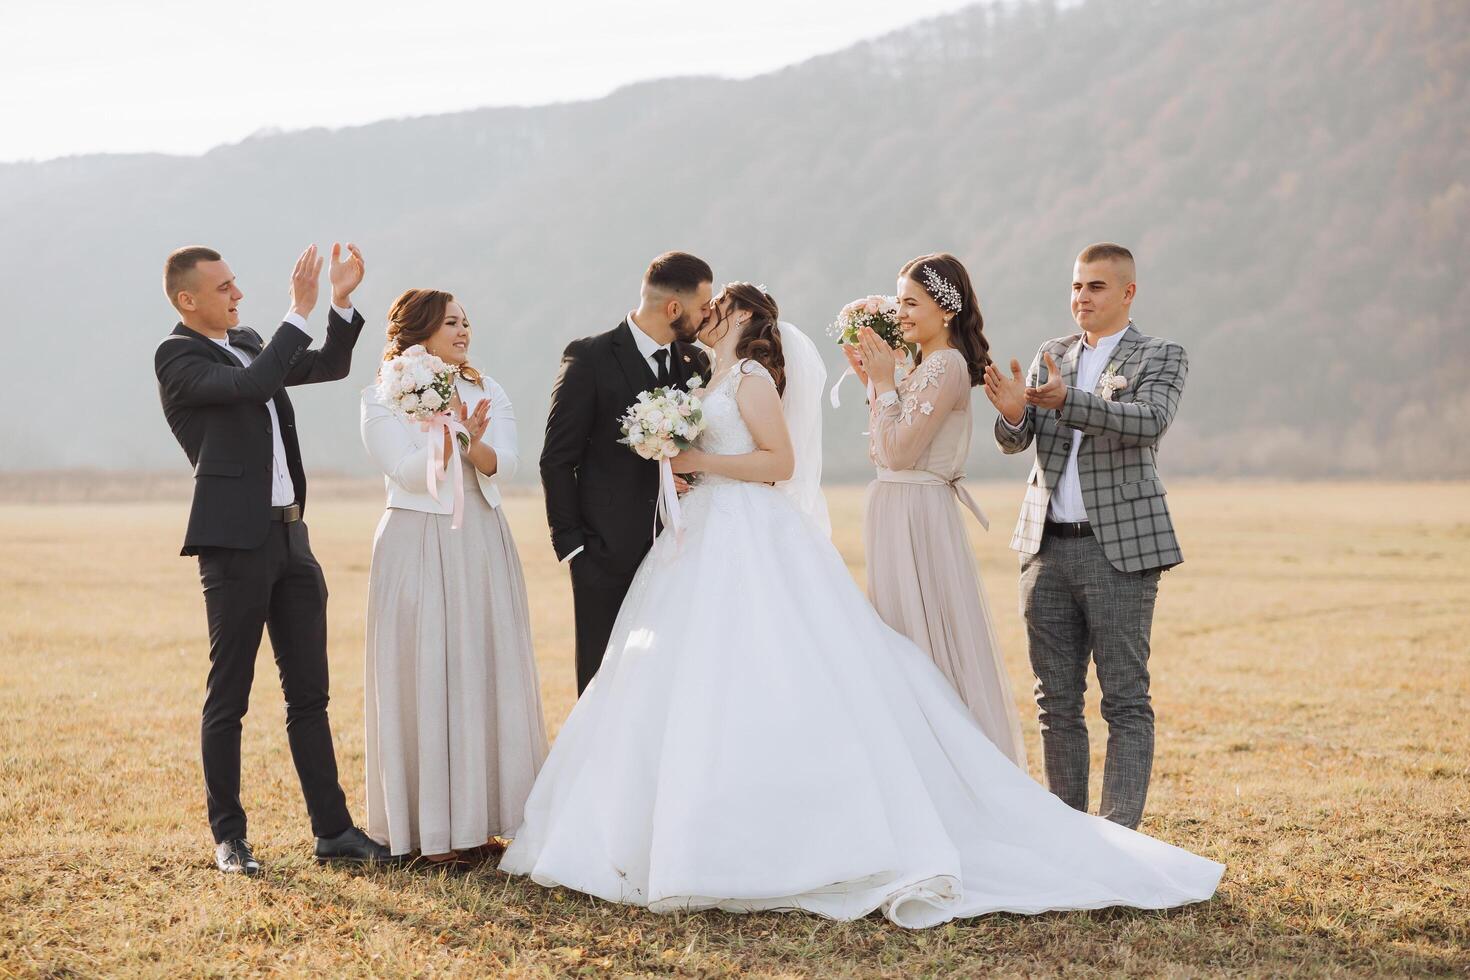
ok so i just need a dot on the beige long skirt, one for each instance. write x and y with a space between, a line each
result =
922 581
455 735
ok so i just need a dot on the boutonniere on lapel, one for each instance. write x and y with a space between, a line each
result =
1110 383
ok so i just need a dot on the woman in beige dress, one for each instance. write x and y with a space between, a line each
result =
921 571
455 735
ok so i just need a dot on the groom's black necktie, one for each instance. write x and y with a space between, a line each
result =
662 356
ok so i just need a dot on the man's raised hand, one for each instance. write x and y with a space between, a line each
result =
345 275
305 282
1053 394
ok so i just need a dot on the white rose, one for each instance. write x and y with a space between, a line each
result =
409 403
432 400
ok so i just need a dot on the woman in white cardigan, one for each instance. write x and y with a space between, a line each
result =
455 735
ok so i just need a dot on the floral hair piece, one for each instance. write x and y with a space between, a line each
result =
943 291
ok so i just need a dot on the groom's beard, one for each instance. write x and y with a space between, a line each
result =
686 329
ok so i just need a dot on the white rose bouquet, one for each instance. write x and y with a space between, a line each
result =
663 422
418 386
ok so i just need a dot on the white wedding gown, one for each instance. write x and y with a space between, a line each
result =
757 738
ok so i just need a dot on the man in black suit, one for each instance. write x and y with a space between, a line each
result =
600 495
223 393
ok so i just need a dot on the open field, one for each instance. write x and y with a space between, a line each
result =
1311 675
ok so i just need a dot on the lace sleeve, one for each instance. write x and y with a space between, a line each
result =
903 423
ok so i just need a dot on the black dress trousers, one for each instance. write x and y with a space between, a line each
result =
280 587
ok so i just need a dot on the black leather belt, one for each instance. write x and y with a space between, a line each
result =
289 514
1081 529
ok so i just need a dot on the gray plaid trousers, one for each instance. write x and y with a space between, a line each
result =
1091 599
1079 607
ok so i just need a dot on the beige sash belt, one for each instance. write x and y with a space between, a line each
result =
925 478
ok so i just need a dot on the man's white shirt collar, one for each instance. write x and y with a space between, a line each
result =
646 344
1105 344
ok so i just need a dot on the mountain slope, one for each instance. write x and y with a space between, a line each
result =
1292 177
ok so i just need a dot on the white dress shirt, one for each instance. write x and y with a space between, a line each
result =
283 491
1066 499
647 347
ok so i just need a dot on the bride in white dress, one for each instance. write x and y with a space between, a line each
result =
757 738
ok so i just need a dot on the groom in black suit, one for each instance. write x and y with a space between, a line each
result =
224 395
600 495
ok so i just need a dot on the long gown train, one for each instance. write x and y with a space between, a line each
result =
757 738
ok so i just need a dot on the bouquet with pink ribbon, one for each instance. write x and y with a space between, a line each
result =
880 313
658 426
419 387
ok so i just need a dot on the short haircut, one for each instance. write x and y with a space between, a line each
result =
1117 254
678 272
178 266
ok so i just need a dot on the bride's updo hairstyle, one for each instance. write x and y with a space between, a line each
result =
414 317
761 340
944 278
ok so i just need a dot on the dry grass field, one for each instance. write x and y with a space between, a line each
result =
1311 675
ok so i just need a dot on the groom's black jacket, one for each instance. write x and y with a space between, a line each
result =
216 409
600 495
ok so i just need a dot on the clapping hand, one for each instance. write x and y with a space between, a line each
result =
477 421
305 281
1053 394
1008 395
345 275
854 355
878 358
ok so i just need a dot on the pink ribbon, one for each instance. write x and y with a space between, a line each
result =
668 503
437 426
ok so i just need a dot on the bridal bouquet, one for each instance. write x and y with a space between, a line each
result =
878 312
418 386
663 422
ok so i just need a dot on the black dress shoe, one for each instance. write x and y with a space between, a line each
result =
233 857
352 846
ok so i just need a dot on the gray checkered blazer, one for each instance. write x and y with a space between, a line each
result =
1115 462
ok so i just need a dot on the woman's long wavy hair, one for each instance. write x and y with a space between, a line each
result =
761 339
967 328
415 316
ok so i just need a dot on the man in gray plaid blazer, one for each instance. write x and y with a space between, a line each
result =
1094 532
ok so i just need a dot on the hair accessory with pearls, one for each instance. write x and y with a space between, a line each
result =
943 291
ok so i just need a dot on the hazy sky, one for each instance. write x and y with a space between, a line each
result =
181 76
